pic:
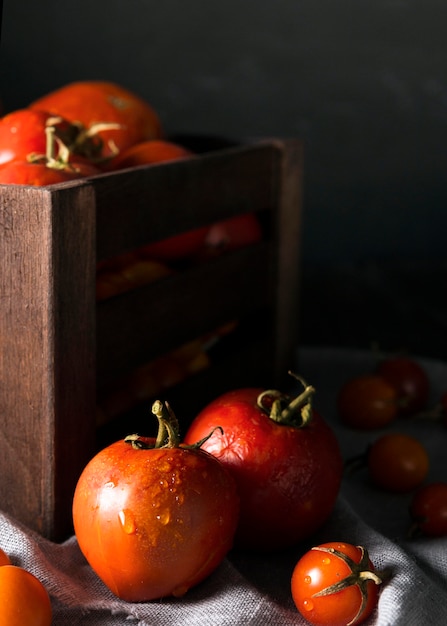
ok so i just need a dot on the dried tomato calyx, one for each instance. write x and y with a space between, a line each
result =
361 574
168 435
281 409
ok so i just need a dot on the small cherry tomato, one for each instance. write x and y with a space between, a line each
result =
24 601
367 402
410 380
397 462
4 558
284 457
154 517
335 584
428 510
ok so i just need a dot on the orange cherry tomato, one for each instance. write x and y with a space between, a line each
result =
397 462
232 234
366 402
335 584
93 102
24 601
4 558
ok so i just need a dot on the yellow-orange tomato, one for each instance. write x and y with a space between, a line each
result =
4 558
24 601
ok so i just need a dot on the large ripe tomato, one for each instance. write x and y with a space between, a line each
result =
154 517
335 584
409 379
285 459
93 102
24 601
366 402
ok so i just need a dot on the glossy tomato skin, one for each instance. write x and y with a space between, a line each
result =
24 601
40 175
410 380
318 570
154 523
22 132
92 102
288 478
367 402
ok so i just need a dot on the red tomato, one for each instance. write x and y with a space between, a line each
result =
232 234
397 462
288 471
40 174
154 517
24 600
410 380
22 132
93 102
4 558
428 509
366 402
147 153
335 584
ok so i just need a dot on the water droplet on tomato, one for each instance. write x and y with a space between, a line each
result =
109 485
307 580
127 521
164 517
326 561
308 604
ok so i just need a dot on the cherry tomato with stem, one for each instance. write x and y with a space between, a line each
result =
396 462
428 510
284 457
24 600
409 379
336 584
152 516
367 402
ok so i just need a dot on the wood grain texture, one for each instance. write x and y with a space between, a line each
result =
58 346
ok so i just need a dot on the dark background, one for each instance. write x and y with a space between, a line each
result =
362 82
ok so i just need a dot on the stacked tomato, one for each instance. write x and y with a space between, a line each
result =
24 601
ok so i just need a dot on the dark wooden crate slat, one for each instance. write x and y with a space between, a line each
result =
160 317
47 351
48 251
179 196
286 266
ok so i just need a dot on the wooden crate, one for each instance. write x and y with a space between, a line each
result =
58 345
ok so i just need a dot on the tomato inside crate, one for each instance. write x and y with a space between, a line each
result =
60 346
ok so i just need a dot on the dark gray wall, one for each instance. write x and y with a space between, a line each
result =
363 82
